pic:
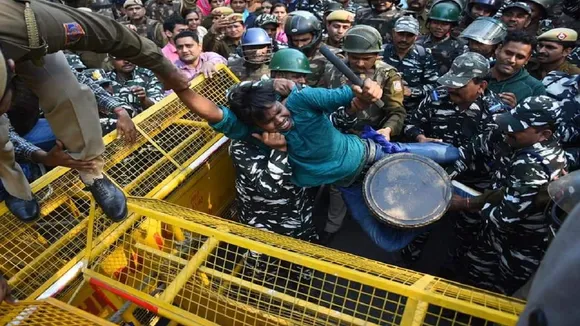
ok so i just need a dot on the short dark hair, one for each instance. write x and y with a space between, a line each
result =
189 11
250 102
187 33
279 4
520 37
172 21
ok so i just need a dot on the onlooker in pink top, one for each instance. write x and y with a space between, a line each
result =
171 27
192 60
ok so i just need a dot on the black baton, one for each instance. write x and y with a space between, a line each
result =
340 65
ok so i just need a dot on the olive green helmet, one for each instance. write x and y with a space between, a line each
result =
290 60
362 39
446 11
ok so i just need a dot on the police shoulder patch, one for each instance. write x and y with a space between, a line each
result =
397 87
73 33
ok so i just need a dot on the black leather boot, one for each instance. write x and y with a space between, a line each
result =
25 210
110 198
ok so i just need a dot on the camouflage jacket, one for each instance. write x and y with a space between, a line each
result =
535 69
516 219
318 8
245 71
418 69
266 197
351 6
317 66
574 57
442 119
158 10
153 30
383 21
141 77
445 51
393 114
106 102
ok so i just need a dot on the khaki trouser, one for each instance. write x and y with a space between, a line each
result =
72 113
11 174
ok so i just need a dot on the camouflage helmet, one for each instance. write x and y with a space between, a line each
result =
265 19
362 39
446 11
290 60
303 22
75 61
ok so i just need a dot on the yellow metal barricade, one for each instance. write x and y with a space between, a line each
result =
48 312
203 277
172 144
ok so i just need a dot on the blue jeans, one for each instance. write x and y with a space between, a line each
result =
41 135
388 237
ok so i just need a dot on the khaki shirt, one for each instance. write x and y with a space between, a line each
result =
65 28
535 69
393 114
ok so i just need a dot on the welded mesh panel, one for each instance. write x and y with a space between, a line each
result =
46 313
169 139
230 274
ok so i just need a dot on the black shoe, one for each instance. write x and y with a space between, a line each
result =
25 210
325 238
110 198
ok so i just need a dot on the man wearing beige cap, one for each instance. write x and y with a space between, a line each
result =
146 27
338 23
553 48
32 35
224 35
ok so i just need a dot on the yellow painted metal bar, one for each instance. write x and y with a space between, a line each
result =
154 143
106 240
351 320
164 309
420 313
79 312
90 230
57 245
192 123
185 274
410 313
337 270
160 253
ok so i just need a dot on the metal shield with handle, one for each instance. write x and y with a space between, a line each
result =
407 190
340 65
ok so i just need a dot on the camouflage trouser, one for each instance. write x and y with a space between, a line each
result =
497 264
264 268
466 227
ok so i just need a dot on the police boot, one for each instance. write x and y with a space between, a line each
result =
110 198
25 210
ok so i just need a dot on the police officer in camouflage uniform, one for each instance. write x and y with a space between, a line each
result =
160 10
444 47
484 36
456 115
381 14
566 89
270 24
146 27
135 85
256 52
511 244
338 23
304 33
414 62
290 64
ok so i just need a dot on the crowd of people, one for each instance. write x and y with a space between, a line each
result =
491 86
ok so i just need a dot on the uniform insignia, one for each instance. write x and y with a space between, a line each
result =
562 36
73 33
397 86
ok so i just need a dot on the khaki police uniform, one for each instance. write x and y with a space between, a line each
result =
70 107
557 35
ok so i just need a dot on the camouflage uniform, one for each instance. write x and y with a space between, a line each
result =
246 71
418 69
444 51
421 17
392 114
318 8
267 200
351 6
566 89
382 21
219 44
160 11
508 249
318 65
574 57
140 77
